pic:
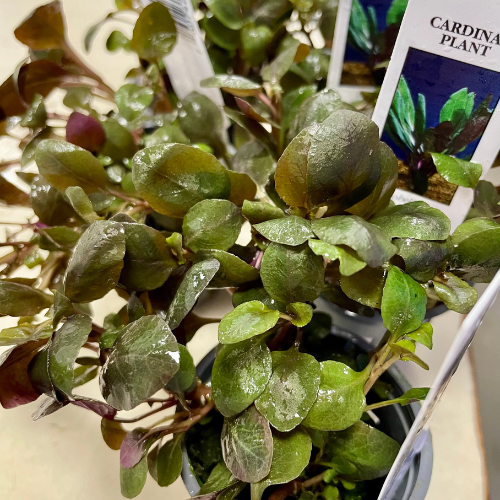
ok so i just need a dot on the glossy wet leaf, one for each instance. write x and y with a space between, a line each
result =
58 238
245 321
243 188
81 204
403 303
119 142
132 480
230 13
349 261
371 244
254 42
422 335
291 455
212 224
64 165
63 351
174 177
186 374
117 40
95 266
457 171
257 293
239 375
292 389
198 109
301 313
233 271
476 250
16 387
36 115
340 401
292 101
132 100
486 199
194 282
17 299
456 294
113 433
144 358
369 450
43 29
78 98
292 230
169 462
25 332
292 274
148 260
166 133
423 259
154 32
234 84
278 67
247 445
260 211
413 220
219 34
220 478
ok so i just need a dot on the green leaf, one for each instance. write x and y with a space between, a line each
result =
198 109
403 303
486 200
292 230
97 261
220 478
292 389
132 480
411 396
476 250
292 101
301 313
64 165
422 335
154 33
350 263
240 375
212 224
117 40
316 109
194 282
78 98
119 142
23 333
456 294
259 211
36 115
396 12
132 100
457 171
279 66
58 238
423 259
403 113
144 358
148 260
371 244
260 294
233 271
234 84
246 321
167 133
174 177
81 204
291 455
413 220
217 33
186 374
292 274
63 351
340 401
368 450
458 108
254 42
169 462
17 299
231 13
247 445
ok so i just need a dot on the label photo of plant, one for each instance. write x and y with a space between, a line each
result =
441 107
373 29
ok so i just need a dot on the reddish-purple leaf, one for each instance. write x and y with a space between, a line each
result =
102 409
85 131
133 447
15 385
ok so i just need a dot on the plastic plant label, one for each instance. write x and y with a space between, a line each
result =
365 34
438 106
416 439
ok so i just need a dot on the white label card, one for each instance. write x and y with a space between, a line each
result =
441 95
365 34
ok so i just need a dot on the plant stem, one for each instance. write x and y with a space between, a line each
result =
16 244
264 99
381 404
164 406
124 197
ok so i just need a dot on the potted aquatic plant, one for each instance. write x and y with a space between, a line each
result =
149 201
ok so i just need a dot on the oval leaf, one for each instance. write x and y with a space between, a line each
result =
457 294
457 171
292 230
17 299
169 461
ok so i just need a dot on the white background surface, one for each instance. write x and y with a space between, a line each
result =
63 456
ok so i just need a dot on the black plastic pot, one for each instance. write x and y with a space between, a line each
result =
395 421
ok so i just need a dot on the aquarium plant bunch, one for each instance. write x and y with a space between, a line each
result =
147 201
429 149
